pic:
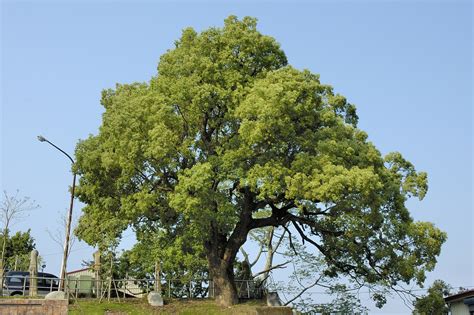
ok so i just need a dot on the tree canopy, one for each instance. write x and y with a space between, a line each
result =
18 248
227 130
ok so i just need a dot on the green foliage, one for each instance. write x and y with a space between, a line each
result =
344 302
18 248
178 260
433 303
226 130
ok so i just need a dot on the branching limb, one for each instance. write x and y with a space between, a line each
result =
59 234
279 266
244 253
290 238
257 257
303 291
343 267
282 236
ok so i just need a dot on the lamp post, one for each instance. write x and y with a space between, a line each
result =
62 277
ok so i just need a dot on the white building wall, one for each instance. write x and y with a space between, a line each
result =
459 308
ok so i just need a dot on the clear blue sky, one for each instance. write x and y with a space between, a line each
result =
406 65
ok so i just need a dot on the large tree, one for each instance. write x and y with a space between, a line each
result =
226 130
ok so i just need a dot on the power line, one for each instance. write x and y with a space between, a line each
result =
72 250
368 292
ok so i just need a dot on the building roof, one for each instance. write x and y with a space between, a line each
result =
79 270
459 296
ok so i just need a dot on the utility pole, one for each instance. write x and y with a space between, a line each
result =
62 276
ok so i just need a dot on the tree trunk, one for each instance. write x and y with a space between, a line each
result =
225 291
2 260
222 251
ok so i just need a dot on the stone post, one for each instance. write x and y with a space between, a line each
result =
155 298
33 273
158 277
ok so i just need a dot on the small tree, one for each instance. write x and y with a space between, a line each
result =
59 234
433 303
12 208
17 250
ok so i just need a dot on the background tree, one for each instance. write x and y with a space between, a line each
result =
305 268
12 208
268 241
433 303
180 262
17 250
226 130
59 234
343 302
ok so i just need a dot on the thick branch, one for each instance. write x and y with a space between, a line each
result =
315 225
239 235
343 267
290 238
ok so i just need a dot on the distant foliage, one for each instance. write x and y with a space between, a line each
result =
433 303
17 250
341 303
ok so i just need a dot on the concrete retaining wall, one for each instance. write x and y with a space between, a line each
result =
33 307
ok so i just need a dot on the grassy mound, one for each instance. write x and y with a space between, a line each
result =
141 307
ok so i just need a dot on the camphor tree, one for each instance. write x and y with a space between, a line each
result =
226 130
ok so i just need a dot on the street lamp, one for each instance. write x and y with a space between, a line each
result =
62 277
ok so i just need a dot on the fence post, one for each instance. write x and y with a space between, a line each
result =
110 276
158 277
125 285
116 290
98 284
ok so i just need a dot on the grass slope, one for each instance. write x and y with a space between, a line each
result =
141 307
